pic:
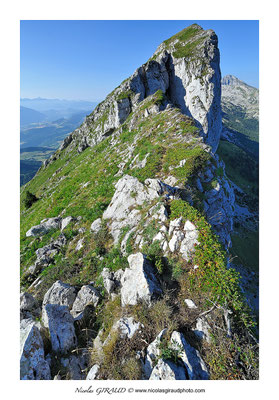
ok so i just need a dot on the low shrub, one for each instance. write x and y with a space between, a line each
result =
170 350
30 199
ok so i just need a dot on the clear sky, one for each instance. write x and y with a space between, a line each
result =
87 59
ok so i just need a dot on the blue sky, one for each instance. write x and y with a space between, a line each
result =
88 59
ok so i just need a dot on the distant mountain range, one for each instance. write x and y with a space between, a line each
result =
240 94
41 104
44 123
240 109
29 116
50 134
41 110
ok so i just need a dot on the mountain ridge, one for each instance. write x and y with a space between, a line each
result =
125 235
163 71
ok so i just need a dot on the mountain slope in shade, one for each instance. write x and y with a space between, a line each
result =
239 149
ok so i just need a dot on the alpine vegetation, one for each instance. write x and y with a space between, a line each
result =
124 244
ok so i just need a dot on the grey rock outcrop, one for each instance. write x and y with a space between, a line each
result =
168 370
183 238
33 365
65 222
60 323
219 204
195 83
139 282
126 327
96 225
130 192
29 308
152 353
44 227
202 329
60 294
108 281
191 357
111 279
190 240
192 83
75 366
27 302
190 304
79 245
45 255
87 295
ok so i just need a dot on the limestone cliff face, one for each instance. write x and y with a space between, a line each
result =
195 80
186 69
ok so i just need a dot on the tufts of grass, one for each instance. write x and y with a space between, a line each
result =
195 160
186 34
187 50
124 95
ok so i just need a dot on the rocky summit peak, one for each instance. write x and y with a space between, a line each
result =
230 80
239 93
186 69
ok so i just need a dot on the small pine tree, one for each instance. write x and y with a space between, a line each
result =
29 199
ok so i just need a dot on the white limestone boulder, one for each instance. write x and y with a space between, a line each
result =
168 370
93 373
152 353
126 327
44 227
60 323
61 294
139 282
33 365
65 222
96 225
190 240
191 357
87 295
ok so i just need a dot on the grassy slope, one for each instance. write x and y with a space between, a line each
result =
163 139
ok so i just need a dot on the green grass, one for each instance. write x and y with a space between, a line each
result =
186 34
195 157
187 50
125 95
235 118
91 165
186 45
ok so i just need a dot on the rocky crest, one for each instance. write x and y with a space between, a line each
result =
124 253
185 68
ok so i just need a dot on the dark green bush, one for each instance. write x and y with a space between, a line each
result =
30 199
